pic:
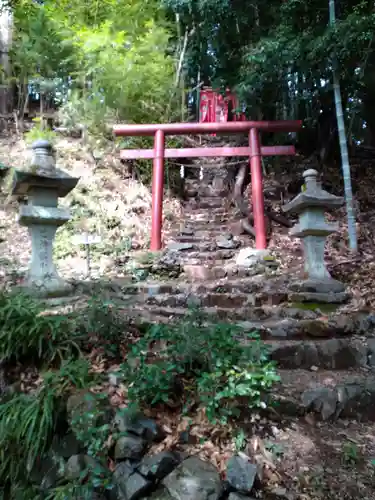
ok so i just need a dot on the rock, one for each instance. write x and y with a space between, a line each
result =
179 247
324 298
227 242
204 272
327 291
280 493
296 313
139 425
74 466
248 257
317 286
241 474
295 355
85 410
46 473
187 231
160 494
151 430
321 400
371 352
66 446
124 469
168 265
125 420
236 228
239 496
158 466
350 399
357 397
131 447
135 487
194 479
129 485
78 464
339 355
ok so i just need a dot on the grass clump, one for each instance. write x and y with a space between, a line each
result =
28 421
27 333
198 364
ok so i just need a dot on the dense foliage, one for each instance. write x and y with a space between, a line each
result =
277 55
194 363
104 61
136 60
54 394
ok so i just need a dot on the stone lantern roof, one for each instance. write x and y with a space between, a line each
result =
314 196
42 173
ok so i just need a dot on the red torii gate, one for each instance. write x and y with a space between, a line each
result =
254 151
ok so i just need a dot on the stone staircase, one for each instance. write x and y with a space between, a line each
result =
326 358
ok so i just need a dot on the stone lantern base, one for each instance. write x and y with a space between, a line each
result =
328 291
47 287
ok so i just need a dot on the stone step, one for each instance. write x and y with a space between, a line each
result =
207 217
211 199
202 231
193 190
254 284
230 301
214 258
224 314
330 354
187 248
267 321
327 394
217 238
198 261
217 210
207 272
185 244
191 227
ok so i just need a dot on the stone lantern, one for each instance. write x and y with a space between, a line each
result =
43 184
311 205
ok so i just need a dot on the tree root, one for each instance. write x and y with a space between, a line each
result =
248 222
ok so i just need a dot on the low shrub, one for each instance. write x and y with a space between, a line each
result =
197 363
101 325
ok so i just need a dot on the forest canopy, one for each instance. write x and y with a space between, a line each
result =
143 60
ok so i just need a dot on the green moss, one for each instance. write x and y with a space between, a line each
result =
269 258
314 306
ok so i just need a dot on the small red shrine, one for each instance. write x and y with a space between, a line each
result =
214 107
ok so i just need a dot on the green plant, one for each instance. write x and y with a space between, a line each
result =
93 430
275 448
350 453
26 332
27 421
40 131
194 362
239 440
102 324
71 490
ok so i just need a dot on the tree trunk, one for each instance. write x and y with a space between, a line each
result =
343 145
6 26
